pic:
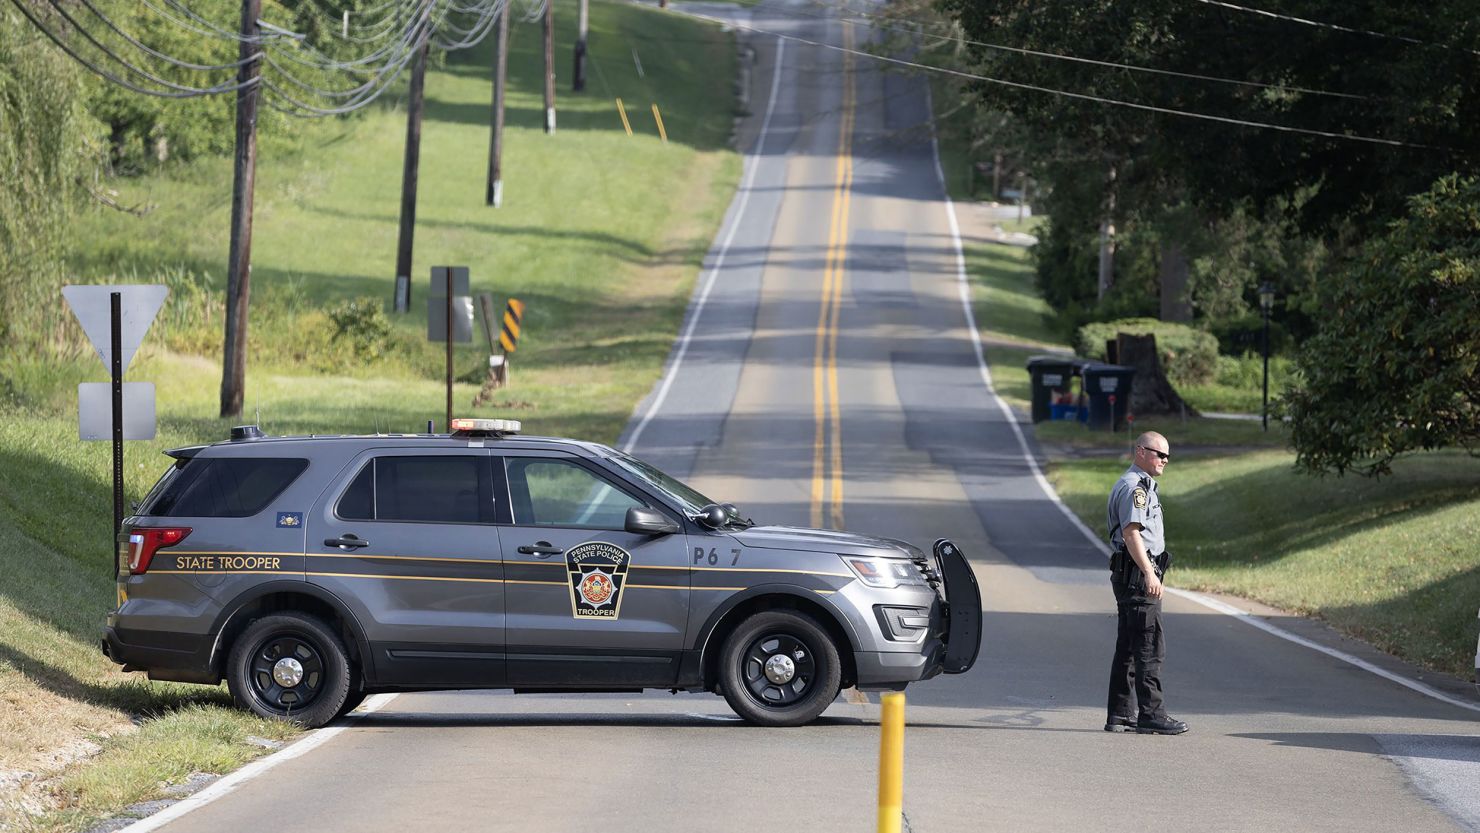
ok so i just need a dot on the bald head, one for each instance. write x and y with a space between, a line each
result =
1153 439
1151 453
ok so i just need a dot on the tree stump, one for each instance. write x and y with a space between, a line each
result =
1151 393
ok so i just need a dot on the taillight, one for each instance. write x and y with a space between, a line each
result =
144 543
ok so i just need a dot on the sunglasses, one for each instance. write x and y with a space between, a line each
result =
1162 455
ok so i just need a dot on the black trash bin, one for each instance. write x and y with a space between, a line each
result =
1050 378
1108 388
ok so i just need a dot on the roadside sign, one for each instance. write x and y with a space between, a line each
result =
138 304
459 281
115 318
462 318
462 305
95 411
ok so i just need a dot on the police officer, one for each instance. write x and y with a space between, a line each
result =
1136 568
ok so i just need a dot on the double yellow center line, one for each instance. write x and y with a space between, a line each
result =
827 444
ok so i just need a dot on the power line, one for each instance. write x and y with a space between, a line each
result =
406 26
1337 27
182 92
1083 96
874 20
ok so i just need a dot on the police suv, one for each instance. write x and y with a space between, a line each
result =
311 571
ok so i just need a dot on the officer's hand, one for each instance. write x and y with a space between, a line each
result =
1153 585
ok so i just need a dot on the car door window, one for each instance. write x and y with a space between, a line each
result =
434 489
549 492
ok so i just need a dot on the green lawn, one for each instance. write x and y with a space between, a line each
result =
600 234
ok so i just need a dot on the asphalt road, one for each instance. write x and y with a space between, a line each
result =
828 376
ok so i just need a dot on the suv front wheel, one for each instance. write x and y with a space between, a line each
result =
779 668
290 666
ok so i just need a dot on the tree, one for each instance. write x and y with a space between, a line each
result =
47 145
1396 367
1179 179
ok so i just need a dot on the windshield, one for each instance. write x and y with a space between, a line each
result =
691 500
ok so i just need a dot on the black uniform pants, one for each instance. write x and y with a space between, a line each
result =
1140 648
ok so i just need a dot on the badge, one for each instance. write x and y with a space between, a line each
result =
597 572
290 520
1138 497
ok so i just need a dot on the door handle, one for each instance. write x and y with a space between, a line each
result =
540 548
346 542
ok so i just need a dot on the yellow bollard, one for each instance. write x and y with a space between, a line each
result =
622 111
658 117
891 763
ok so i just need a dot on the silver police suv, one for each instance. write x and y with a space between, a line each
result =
311 571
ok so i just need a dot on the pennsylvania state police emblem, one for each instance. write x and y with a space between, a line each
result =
597 572
1139 498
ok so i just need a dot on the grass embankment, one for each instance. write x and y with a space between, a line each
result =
1393 562
600 234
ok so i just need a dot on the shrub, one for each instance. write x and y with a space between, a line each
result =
1188 355
363 324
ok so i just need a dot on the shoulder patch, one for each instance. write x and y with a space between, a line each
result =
1138 497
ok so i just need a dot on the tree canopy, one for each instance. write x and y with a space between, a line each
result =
1396 365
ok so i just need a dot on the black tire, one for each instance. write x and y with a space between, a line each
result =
809 654
355 697
290 644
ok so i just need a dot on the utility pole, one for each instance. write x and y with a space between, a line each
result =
578 80
1107 239
402 301
495 195
239 260
549 66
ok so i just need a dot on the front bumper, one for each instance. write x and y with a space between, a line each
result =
955 631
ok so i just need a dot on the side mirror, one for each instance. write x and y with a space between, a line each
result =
713 516
644 521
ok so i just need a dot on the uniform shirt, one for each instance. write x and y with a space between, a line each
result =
1134 499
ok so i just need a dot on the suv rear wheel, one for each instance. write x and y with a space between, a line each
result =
290 666
779 668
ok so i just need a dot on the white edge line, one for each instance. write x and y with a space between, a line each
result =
1243 616
719 262
229 783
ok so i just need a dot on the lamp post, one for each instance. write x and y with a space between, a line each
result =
1266 301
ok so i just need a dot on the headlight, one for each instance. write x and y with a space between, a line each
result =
883 572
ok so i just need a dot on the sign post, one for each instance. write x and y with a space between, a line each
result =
115 319
449 315
115 305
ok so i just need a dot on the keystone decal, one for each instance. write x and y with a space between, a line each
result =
597 572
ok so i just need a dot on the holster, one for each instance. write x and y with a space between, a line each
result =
1123 568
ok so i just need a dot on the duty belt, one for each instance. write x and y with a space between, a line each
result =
1124 567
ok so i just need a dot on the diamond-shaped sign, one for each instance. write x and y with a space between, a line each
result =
138 304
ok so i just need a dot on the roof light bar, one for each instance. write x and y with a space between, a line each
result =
485 426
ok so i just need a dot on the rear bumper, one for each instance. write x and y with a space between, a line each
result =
183 658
